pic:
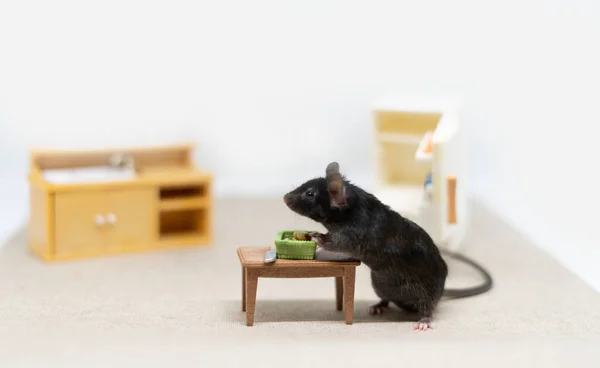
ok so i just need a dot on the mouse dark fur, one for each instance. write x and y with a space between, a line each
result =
406 266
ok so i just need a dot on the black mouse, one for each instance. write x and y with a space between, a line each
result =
407 268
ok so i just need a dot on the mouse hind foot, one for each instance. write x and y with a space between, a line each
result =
424 324
379 308
426 321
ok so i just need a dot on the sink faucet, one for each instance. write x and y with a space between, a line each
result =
122 160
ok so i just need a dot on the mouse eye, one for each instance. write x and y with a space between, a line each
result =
309 193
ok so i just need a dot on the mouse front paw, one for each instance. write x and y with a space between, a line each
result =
316 236
379 308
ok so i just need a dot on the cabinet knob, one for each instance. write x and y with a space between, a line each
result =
99 219
111 219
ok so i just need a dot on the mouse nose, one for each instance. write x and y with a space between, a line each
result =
286 198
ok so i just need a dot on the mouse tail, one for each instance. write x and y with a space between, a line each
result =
485 286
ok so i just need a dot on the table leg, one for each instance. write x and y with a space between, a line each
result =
243 289
339 292
251 286
349 280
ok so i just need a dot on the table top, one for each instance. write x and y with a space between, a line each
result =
254 257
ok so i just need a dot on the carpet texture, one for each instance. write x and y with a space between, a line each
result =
183 307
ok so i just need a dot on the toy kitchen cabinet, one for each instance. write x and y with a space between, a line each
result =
92 203
421 164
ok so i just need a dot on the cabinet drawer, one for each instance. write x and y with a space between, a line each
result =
77 226
95 222
135 219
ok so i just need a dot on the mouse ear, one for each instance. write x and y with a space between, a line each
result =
335 185
332 168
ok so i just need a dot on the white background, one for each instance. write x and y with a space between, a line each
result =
273 90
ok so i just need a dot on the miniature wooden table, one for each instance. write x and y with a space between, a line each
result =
253 267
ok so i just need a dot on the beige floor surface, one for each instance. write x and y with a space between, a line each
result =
182 308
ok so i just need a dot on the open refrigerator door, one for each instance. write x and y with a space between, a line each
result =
445 211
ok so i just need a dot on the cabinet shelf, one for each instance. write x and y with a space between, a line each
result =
183 239
182 191
183 204
183 222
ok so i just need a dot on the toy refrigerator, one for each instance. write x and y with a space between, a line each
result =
421 164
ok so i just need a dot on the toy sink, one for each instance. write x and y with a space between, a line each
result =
294 249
